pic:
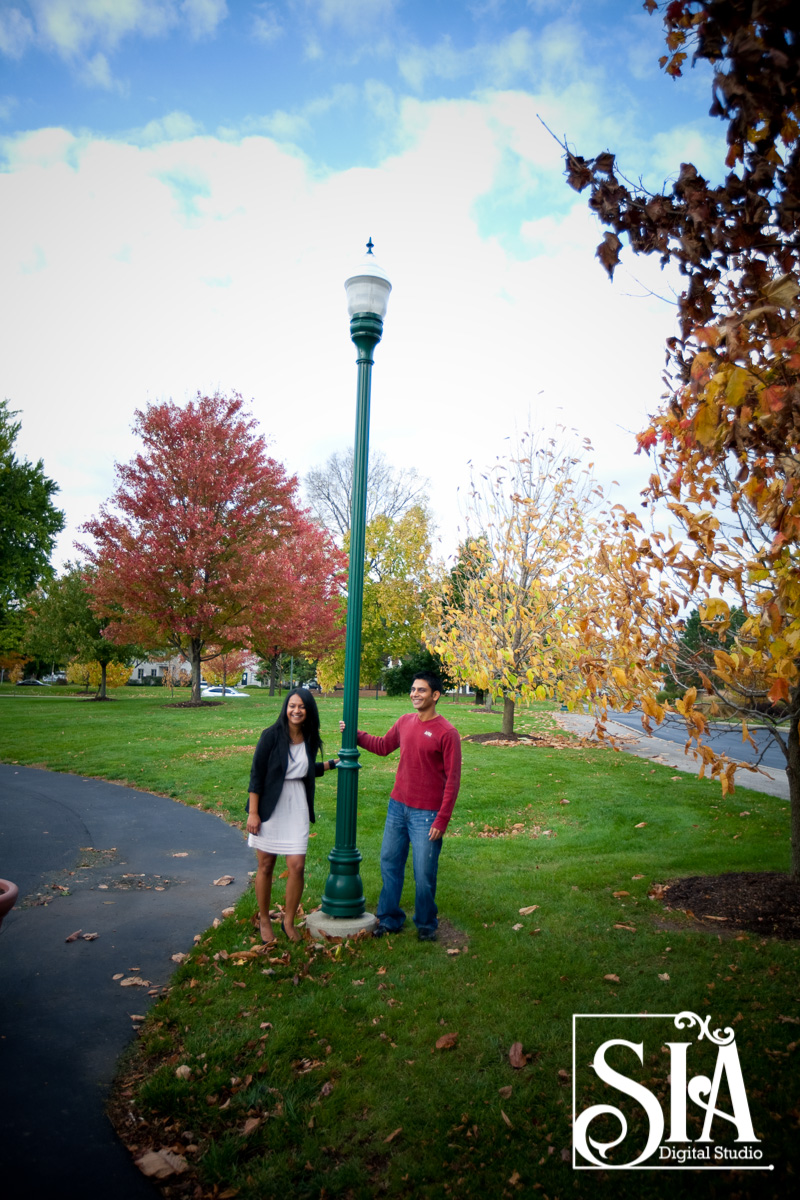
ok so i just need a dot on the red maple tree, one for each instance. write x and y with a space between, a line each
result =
203 543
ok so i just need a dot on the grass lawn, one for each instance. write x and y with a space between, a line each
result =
314 1071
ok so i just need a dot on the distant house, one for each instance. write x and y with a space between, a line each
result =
147 671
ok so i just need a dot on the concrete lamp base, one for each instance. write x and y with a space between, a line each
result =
318 923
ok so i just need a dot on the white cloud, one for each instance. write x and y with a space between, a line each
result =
16 33
353 16
177 261
96 72
203 16
267 25
175 126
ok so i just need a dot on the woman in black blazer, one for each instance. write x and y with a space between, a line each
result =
281 803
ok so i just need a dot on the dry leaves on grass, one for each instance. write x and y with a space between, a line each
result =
183 1072
393 1135
160 1164
506 1119
526 912
630 928
250 1126
517 1056
612 978
447 1041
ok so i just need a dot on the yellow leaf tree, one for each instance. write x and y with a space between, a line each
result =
396 580
528 613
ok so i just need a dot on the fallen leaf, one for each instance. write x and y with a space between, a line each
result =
664 978
637 876
160 1164
533 931
358 982
630 928
563 1076
116 977
228 912
612 978
641 825
179 958
708 917
447 1041
392 1136
505 1118
517 1057
505 1092
620 894
90 937
455 951
526 912
183 1072
284 874
515 927
514 1178
224 880
181 854
566 1155
326 1088
134 981
73 937
250 1126
744 814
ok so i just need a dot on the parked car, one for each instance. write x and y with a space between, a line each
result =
60 677
31 683
211 693
312 685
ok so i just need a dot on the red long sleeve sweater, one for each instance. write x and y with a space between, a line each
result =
429 771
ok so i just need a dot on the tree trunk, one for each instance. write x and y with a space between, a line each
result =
273 673
508 715
196 647
101 695
793 776
479 695
487 703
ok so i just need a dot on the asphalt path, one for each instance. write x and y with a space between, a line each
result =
724 737
147 890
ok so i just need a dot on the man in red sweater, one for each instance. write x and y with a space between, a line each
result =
424 792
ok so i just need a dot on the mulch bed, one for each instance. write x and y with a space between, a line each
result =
543 741
765 902
194 704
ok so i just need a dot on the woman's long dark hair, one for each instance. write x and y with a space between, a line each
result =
311 734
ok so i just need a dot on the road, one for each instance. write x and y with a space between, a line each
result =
725 738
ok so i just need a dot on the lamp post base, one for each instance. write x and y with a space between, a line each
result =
319 923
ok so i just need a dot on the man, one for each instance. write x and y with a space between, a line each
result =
421 804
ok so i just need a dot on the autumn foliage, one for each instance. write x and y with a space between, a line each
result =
202 546
726 442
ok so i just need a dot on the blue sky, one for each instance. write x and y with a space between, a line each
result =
185 184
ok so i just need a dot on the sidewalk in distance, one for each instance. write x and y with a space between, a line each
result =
671 754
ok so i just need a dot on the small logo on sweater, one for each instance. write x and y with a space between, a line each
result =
428 733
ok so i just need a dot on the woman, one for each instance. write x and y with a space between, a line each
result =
281 803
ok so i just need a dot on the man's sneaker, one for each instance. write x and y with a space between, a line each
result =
427 937
380 930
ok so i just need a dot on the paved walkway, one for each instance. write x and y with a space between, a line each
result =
671 754
64 1021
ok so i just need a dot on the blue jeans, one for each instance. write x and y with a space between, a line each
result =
406 827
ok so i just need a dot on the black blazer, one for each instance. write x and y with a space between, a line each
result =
268 772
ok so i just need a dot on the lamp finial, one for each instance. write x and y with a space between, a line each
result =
370 246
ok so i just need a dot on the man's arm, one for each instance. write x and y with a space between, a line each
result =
376 744
451 755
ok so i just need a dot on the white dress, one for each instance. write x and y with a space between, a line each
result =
286 831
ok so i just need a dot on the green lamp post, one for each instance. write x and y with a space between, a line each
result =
367 297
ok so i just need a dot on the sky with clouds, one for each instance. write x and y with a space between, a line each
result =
185 185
